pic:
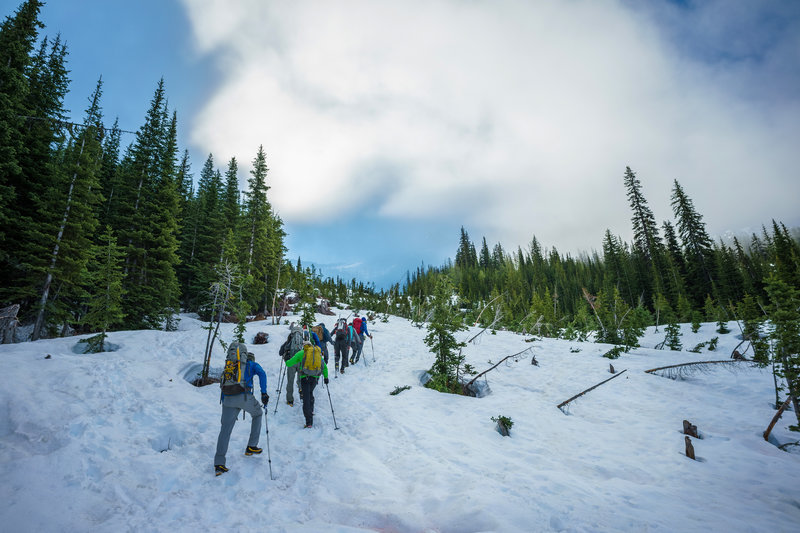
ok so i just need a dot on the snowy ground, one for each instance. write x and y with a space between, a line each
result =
123 442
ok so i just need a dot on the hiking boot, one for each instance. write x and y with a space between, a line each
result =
220 469
351 360
252 450
341 371
307 426
289 403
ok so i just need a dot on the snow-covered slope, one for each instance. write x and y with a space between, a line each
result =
122 441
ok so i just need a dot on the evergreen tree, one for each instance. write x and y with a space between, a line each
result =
445 322
109 175
105 286
697 245
209 236
485 257
147 218
18 35
230 196
646 241
66 243
785 317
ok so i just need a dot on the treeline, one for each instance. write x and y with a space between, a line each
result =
670 272
86 224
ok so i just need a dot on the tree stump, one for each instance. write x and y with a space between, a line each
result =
689 448
690 429
611 369
261 338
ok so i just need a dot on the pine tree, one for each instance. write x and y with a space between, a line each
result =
444 323
262 234
230 196
67 245
647 244
785 317
105 285
697 245
147 219
109 175
18 35
207 249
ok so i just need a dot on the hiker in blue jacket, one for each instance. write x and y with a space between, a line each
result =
232 404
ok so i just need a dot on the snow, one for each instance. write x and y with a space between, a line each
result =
121 441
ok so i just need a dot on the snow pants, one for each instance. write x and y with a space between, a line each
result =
325 352
357 355
231 405
308 384
291 377
356 347
340 349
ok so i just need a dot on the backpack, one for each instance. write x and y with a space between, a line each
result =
232 381
357 324
312 361
341 330
295 342
318 331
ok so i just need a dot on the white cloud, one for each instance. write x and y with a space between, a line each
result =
515 118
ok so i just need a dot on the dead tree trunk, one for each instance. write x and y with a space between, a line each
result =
562 404
495 366
777 417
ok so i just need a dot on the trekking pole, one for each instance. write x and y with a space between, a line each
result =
280 384
331 402
373 349
269 455
280 369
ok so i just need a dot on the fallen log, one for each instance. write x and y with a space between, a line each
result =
776 418
562 404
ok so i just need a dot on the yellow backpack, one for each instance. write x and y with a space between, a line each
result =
312 361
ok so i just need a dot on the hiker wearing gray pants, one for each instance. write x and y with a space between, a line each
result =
232 404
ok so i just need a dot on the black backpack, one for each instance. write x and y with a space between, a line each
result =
341 330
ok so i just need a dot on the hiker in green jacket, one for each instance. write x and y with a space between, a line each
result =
312 365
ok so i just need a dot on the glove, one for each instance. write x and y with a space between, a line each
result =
370 336
326 381
265 398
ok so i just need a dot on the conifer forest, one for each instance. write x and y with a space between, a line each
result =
103 228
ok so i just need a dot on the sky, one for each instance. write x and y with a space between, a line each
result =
121 441
390 125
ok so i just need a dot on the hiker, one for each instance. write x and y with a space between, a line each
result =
343 336
294 342
311 366
233 403
360 325
355 342
324 337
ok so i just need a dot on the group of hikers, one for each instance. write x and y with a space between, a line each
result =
305 354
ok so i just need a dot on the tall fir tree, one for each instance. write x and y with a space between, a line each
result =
18 35
104 287
647 245
66 244
697 245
